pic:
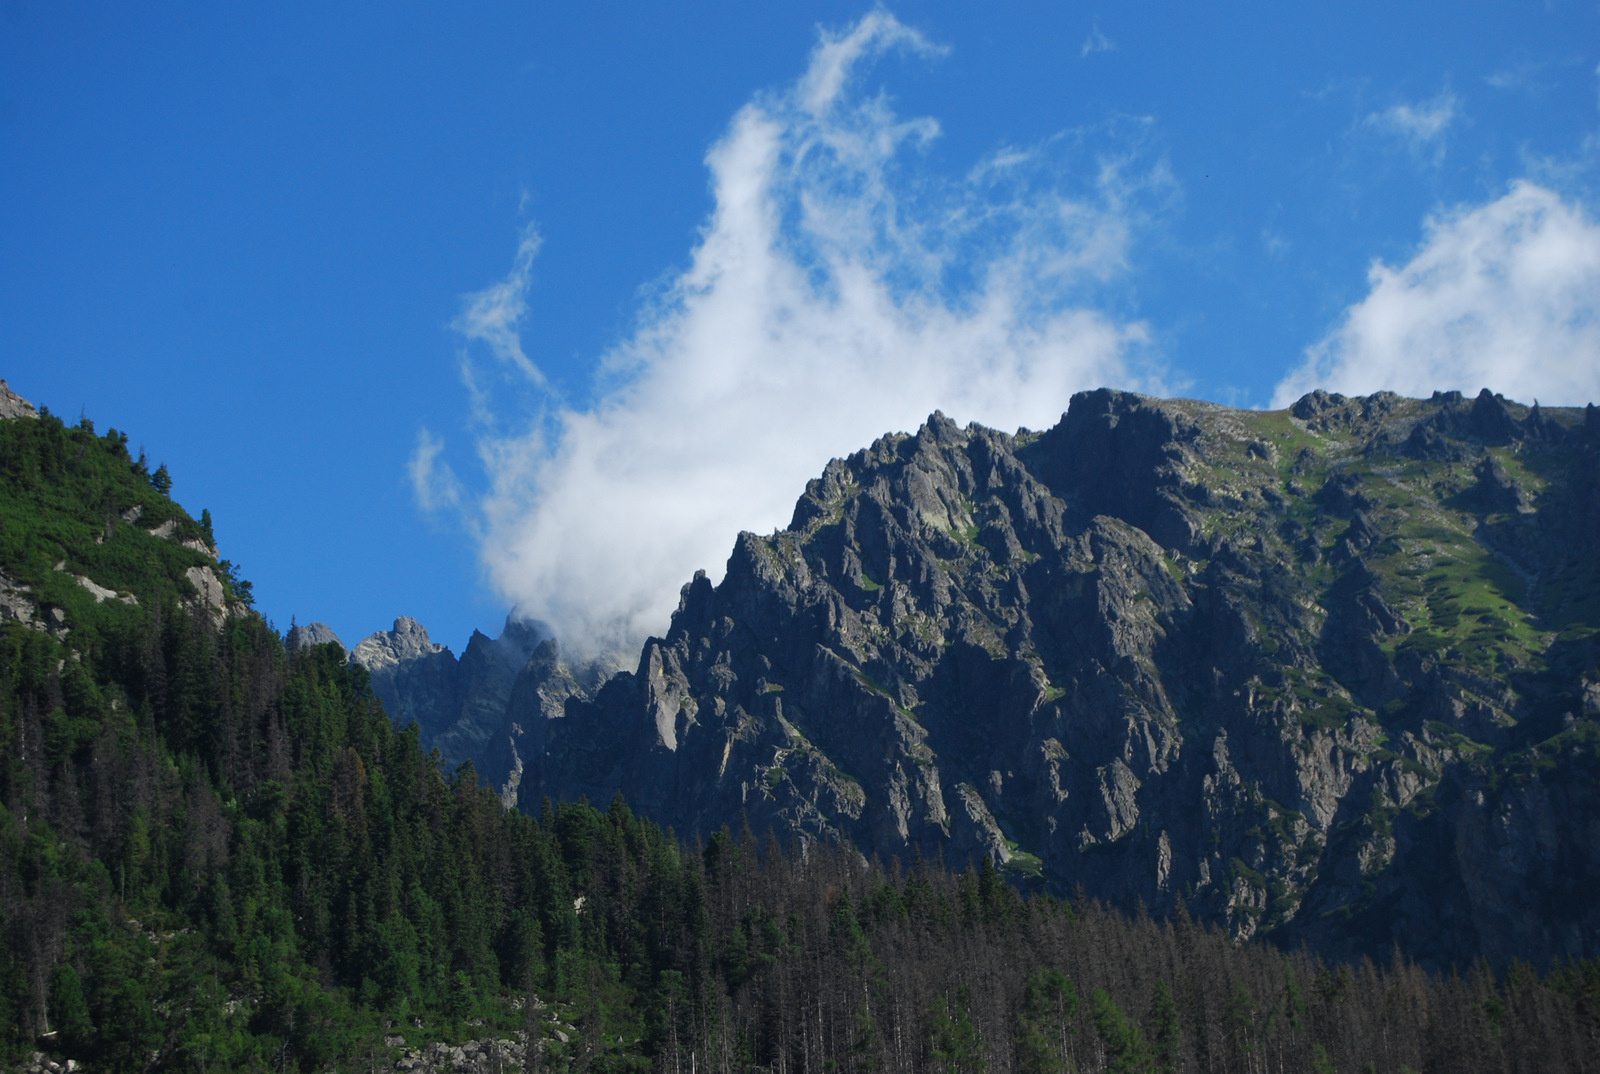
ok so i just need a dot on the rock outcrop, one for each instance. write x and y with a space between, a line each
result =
1326 674
414 676
1320 673
461 707
13 405
16 604
305 635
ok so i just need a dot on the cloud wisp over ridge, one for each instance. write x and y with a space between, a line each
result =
1504 295
839 290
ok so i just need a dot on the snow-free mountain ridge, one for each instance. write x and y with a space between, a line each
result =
1328 673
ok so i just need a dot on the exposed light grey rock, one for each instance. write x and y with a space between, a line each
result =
390 648
305 635
210 601
102 594
13 405
16 604
487 1056
414 676
974 833
510 788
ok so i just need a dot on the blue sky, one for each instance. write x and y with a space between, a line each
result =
448 309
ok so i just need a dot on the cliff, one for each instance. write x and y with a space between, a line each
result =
1328 674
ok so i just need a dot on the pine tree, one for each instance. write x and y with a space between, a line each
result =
1126 1050
1166 1035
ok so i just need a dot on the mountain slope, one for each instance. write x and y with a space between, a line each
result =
216 853
1328 673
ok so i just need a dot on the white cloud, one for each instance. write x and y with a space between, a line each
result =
838 291
494 315
1420 126
1504 295
432 482
1097 41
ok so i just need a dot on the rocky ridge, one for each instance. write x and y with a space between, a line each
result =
463 707
13 405
1328 674
304 635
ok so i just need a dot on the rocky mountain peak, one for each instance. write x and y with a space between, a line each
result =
1259 660
460 706
391 648
305 635
1324 674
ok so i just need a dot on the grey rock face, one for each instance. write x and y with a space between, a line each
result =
305 635
414 677
1308 670
210 602
538 694
13 405
392 648
485 676
16 604
475 708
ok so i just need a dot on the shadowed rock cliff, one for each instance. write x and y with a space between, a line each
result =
1327 673
458 705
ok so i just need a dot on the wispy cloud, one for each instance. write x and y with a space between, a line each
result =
432 481
1421 126
1504 295
494 315
1534 76
839 290
1097 41
1517 76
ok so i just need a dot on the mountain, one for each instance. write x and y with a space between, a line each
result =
472 709
217 853
1328 674
215 850
490 706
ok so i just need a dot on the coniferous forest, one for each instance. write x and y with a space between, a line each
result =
220 855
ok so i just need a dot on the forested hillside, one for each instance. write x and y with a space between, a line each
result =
217 854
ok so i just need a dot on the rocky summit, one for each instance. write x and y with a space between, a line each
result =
1328 674
457 704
